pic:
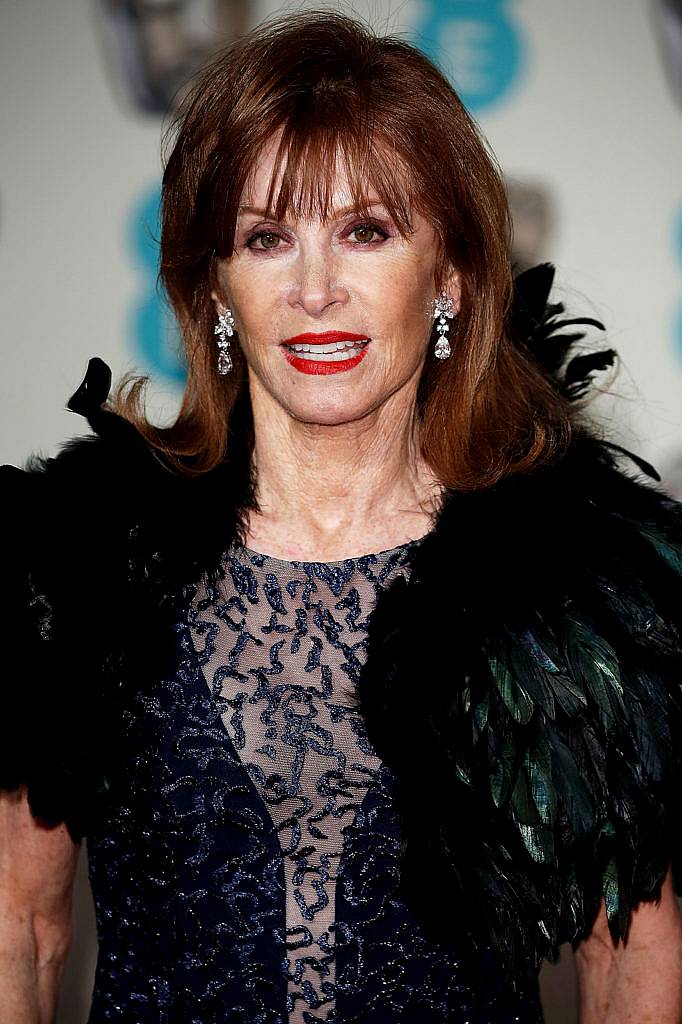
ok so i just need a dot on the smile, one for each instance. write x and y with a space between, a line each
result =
330 352
326 358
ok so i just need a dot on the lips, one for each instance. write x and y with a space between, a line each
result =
325 338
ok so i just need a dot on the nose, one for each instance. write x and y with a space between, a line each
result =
316 288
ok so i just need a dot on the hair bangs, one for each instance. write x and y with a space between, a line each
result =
311 159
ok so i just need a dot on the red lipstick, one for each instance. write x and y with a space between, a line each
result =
324 339
302 362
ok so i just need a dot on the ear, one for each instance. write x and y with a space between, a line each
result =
220 307
453 288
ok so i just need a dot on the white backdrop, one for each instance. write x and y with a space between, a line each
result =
577 100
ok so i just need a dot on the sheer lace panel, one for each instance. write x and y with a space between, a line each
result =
282 644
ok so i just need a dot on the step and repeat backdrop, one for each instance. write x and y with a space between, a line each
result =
581 103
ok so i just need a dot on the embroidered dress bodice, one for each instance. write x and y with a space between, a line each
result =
281 643
262 830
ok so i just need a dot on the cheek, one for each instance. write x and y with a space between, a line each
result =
406 315
250 296
402 288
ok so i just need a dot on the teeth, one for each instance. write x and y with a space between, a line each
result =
333 346
333 356
332 353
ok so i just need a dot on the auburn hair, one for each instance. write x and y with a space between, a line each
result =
331 86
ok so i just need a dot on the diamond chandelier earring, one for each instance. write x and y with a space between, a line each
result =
224 329
444 311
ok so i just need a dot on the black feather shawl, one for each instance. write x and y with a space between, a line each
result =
525 684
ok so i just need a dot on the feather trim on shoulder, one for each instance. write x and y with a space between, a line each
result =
99 551
525 686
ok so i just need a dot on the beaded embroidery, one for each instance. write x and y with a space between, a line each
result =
279 642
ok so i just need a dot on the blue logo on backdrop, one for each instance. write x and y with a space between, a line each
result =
678 251
153 328
479 41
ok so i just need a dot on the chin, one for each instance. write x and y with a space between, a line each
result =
329 413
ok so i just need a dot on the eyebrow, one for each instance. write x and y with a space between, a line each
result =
337 212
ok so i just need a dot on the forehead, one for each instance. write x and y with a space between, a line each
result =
318 180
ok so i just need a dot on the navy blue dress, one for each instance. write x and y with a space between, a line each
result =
250 874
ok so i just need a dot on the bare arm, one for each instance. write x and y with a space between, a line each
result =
37 868
639 982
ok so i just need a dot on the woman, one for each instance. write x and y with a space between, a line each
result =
362 679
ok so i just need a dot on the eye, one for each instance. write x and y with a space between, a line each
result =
270 239
265 235
368 227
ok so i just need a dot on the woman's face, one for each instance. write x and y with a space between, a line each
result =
349 275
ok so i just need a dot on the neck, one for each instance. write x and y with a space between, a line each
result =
329 491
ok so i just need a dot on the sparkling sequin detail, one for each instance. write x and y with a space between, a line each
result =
251 874
278 640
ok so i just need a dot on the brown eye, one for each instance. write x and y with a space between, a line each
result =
364 232
265 237
268 237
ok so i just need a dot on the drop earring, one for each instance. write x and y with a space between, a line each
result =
224 329
444 311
